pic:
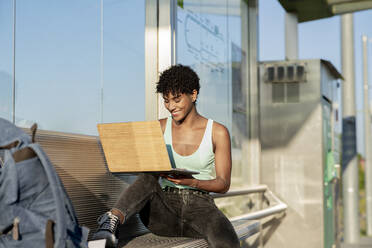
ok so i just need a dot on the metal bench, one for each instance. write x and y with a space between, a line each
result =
80 163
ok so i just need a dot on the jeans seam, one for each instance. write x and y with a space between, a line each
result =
147 198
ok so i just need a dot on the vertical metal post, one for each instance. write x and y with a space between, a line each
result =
254 146
151 59
291 36
102 61
349 158
14 59
166 43
367 140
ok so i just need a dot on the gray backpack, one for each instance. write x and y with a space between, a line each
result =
35 210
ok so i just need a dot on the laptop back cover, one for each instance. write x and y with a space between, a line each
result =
134 146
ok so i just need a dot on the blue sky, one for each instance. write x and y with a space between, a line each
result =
317 39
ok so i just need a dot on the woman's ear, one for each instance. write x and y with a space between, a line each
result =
194 95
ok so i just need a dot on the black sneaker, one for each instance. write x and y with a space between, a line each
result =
107 227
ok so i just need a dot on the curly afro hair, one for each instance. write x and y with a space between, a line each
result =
178 79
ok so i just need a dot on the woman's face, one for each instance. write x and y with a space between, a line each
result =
180 105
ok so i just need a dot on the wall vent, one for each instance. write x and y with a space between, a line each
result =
285 73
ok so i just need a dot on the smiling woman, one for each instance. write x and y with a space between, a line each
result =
181 206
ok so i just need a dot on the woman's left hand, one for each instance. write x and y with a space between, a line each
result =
192 182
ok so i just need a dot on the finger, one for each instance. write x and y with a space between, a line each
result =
170 179
175 181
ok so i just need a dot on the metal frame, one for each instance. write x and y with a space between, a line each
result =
166 43
151 59
254 146
250 190
14 59
277 208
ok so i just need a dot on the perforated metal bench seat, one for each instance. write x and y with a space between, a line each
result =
80 163
243 228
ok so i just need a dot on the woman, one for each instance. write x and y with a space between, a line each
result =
181 206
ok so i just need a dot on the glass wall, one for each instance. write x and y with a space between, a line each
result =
210 40
77 63
124 61
6 59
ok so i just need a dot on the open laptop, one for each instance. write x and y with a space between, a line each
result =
133 147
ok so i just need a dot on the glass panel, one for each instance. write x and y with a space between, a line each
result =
6 58
58 64
202 43
209 39
124 61
66 78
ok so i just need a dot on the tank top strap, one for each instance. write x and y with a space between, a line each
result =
168 131
208 132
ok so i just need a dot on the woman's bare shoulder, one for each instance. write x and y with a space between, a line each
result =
220 135
219 129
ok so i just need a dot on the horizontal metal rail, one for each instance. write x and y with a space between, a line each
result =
250 190
278 206
275 209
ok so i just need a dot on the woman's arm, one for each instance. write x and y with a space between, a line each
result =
222 153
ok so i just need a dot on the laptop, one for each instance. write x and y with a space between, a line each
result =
133 147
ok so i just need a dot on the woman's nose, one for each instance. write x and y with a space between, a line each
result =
171 106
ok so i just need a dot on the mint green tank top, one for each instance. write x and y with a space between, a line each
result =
201 160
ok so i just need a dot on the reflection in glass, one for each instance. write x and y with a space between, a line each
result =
209 39
6 59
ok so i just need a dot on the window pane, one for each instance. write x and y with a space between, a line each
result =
124 61
6 58
210 40
58 64
70 75
202 43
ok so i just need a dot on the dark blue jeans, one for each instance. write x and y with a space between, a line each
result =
176 214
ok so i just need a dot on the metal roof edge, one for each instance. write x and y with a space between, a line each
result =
332 69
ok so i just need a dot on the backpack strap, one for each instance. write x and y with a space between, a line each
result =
33 132
49 239
9 146
23 154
